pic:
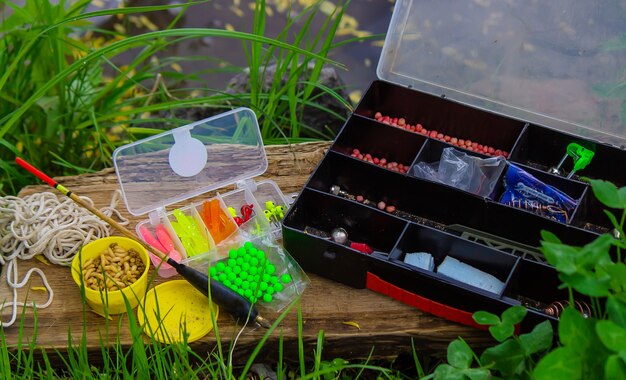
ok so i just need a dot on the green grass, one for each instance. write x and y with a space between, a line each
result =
65 104
147 358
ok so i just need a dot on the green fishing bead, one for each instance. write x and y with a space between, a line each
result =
228 270
266 277
260 254
222 277
220 266
247 258
270 290
274 280
212 271
233 254
267 297
245 285
245 266
237 270
248 245
231 276
263 286
240 291
247 293
252 299
227 282
254 285
238 281
257 277
285 278
259 294
253 270
241 251
254 261
270 269
239 260
232 262
250 278
278 287
243 274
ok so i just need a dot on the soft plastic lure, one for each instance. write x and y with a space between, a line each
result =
189 233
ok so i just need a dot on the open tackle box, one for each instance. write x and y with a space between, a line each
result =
524 79
168 169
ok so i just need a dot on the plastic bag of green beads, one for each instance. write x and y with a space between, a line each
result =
259 270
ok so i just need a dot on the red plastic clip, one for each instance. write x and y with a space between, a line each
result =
361 247
246 212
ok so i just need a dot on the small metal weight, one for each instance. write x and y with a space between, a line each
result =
339 235
336 190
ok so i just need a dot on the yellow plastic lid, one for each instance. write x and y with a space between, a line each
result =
180 308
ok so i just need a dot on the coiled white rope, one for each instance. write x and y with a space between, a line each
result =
42 223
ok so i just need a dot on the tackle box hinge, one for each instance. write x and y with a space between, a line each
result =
247 184
155 215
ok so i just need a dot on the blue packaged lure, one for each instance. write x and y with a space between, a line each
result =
527 192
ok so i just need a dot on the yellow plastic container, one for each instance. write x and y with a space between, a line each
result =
174 308
112 300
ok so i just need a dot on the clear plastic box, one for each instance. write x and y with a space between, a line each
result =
165 170
556 63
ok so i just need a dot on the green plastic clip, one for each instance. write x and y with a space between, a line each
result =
581 156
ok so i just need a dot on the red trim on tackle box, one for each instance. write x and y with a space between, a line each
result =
378 285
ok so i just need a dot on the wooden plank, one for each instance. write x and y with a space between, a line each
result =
385 324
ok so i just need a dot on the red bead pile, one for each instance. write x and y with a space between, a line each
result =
382 162
461 143
379 205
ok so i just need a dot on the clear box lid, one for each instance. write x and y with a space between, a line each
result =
190 160
559 63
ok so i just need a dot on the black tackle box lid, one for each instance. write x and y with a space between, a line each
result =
558 63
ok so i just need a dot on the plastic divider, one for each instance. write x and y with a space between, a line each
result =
590 214
541 148
432 151
317 211
537 281
436 205
162 219
536 286
203 228
258 224
363 224
436 113
224 210
608 163
189 211
439 244
268 191
165 220
379 140
573 189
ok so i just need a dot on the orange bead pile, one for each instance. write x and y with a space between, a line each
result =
461 143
